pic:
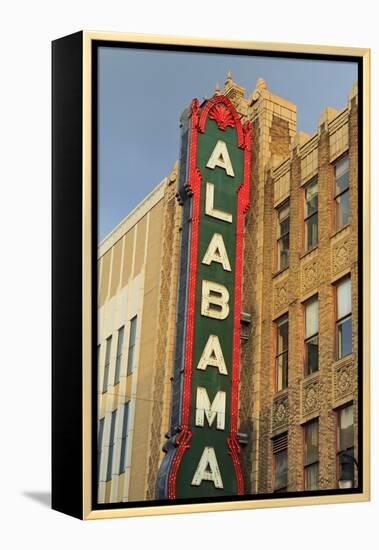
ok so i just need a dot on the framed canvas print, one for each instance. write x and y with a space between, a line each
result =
210 275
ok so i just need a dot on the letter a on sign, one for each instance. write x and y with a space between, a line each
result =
216 252
212 355
208 469
220 157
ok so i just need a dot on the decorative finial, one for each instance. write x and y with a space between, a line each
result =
229 76
261 84
217 89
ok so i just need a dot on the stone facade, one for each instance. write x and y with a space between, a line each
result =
277 293
141 255
140 284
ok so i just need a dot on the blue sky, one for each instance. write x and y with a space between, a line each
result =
142 94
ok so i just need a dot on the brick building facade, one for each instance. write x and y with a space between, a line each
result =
299 318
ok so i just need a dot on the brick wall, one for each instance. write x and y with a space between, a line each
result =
269 294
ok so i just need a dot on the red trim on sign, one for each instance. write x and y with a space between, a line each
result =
193 189
191 298
234 451
194 183
182 440
216 116
242 207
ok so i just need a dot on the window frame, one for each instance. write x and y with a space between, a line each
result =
283 447
306 247
111 445
339 321
100 439
336 195
278 322
124 437
279 237
307 464
131 355
339 451
307 339
119 354
107 363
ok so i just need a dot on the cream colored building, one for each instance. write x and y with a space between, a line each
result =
137 294
138 266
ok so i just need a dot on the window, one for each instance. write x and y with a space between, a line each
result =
120 345
341 192
283 236
98 365
107 363
311 336
132 343
343 324
100 445
311 215
111 445
280 455
311 465
124 437
282 353
345 442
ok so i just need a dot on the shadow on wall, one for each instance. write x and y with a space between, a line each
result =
41 497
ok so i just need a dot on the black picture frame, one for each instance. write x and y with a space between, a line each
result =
74 253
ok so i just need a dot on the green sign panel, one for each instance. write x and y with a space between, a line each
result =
202 454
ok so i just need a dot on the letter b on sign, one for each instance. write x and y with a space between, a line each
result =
214 300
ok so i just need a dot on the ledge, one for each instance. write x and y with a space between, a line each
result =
277 273
310 377
347 360
341 230
305 254
279 394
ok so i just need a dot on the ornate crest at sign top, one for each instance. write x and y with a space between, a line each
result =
222 116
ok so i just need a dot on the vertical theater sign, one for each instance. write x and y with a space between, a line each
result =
202 452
